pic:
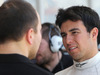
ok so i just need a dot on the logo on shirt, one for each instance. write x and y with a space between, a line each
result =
80 65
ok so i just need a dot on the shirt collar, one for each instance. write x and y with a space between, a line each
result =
88 63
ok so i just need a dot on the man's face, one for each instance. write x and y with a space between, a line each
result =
76 39
44 53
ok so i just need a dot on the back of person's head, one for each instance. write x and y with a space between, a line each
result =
88 16
51 33
46 29
16 17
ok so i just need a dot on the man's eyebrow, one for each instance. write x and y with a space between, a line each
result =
70 30
73 29
62 33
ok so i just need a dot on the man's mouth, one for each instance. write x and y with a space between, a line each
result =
72 48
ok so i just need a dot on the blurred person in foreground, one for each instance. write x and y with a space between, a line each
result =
79 30
20 37
50 55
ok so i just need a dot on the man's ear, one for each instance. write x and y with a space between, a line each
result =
30 36
94 33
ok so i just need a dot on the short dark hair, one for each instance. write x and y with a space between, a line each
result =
46 30
16 18
87 15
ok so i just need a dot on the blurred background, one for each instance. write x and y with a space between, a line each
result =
48 9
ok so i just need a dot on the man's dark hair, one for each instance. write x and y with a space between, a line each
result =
88 16
16 18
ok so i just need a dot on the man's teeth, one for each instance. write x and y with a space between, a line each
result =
72 48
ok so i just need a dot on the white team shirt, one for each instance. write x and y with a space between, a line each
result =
87 67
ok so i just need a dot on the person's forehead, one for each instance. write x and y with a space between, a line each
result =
71 25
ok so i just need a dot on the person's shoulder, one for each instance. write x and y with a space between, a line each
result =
63 72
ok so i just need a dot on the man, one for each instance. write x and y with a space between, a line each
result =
79 30
49 56
20 36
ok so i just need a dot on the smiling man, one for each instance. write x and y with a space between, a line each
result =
79 30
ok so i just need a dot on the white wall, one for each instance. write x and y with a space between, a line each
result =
48 9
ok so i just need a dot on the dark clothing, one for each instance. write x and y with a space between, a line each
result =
65 62
15 64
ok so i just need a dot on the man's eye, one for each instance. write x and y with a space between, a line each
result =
74 32
63 35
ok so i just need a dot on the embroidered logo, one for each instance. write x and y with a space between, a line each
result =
80 65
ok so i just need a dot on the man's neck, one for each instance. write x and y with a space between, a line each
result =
12 48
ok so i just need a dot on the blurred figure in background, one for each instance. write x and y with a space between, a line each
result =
50 55
99 47
99 38
20 37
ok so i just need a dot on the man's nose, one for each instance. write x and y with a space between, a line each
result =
69 39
